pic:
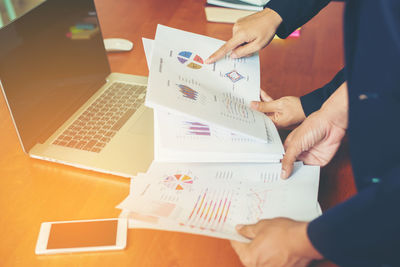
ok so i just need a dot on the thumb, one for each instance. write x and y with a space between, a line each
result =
245 50
293 150
265 97
248 231
265 107
287 164
225 49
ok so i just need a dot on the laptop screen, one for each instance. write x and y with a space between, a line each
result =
52 60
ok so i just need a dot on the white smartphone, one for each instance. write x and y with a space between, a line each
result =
84 235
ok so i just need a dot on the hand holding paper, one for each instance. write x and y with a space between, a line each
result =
285 112
202 114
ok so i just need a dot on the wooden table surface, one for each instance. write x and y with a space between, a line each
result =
34 191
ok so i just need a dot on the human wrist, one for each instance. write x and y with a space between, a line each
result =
272 17
303 245
335 109
300 110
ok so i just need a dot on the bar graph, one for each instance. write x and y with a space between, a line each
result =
210 211
188 92
196 128
234 108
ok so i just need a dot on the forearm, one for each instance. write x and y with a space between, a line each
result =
301 243
313 101
336 107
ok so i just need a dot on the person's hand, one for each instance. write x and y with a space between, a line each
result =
284 112
276 242
314 142
317 139
250 34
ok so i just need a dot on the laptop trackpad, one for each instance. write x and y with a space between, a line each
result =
144 124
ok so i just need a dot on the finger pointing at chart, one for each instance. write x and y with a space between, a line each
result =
225 49
250 34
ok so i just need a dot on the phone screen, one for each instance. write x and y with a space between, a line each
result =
83 234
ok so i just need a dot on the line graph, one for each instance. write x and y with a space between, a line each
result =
256 203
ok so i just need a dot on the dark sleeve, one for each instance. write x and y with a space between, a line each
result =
295 13
313 101
364 230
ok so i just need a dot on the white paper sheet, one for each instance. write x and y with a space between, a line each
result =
148 45
178 139
211 199
218 94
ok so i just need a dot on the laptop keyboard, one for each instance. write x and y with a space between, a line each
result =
95 127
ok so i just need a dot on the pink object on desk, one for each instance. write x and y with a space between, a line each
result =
295 34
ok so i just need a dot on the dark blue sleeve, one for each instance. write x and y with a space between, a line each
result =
313 101
295 13
364 230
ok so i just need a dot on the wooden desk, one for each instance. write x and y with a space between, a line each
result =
34 191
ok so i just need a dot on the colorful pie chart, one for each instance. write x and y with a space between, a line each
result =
190 59
178 181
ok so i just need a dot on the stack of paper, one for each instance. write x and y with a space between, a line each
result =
202 111
211 199
253 5
203 123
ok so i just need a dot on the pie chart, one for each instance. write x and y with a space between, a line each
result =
191 60
178 181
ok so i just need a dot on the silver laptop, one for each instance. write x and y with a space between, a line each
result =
66 105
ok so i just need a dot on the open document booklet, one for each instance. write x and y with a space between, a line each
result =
216 160
186 138
218 94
